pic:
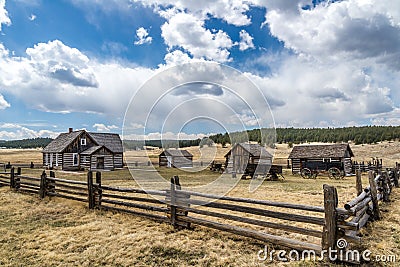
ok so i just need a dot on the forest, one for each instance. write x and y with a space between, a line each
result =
358 135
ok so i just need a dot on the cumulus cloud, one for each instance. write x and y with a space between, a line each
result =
246 41
4 19
32 17
12 131
142 36
188 31
100 127
3 103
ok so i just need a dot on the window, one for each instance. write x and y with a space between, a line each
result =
75 159
83 141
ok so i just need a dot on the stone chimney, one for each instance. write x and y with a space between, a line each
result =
70 130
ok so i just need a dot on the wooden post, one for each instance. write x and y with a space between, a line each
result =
374 193
330 232
387 187
19 171
98 191
396 175
173 203
42 190
12 178
17 179
51 185
359 187
90 189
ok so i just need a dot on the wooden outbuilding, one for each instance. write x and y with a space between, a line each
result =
245 158
77 150
321 153
175 158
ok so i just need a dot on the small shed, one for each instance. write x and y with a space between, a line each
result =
322 153
175 158
245 156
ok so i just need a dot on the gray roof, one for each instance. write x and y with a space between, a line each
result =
176 153
111 141
255 150
91 150
320 151
61 142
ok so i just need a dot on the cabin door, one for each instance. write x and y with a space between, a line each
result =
100 163
169 161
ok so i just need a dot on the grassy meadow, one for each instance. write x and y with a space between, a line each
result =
59 232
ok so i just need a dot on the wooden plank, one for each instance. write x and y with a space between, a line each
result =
72 187
135 205
276 240
141 199
37 188
330 229
67 197
71 192
138 213
29 178
355 200
361 205
31 184
255 201
294 229
66 181
262 212
134 190
374 197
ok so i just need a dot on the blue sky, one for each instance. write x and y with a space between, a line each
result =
77 63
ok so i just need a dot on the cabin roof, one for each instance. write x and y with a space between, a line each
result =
255 150
91 150
176 153
110 141
320 151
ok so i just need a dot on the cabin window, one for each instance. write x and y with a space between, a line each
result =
83 141
75 159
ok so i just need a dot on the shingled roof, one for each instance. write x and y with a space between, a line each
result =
320 151
176 153
111 141
253 149
61 142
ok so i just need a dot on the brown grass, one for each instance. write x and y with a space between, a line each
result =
65 233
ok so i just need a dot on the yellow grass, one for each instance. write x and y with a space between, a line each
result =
60 232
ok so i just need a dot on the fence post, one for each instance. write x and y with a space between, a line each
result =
330 232
19 171
12 178
396 175
98 192
374 195
387 187
173 203
42 190
358 182
51 185
90 189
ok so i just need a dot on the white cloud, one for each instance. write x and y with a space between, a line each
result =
12 131
4 19
142 36
246 41
56 78
188 31
3 103
32 17
100 127
166 136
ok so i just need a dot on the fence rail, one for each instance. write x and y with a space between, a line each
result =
322 226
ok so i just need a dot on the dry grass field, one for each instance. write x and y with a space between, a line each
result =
58 232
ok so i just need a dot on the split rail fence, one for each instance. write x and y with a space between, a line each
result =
252 218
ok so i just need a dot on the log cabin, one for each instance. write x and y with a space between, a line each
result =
175 158
246 157
321 153
79 150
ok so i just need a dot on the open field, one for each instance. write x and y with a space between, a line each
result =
61 232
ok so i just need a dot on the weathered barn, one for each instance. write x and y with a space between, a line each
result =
175 158
322 153
245 156
77 150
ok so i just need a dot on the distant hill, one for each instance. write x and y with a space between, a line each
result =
39 142
135 144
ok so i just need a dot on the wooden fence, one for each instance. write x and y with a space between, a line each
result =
321 227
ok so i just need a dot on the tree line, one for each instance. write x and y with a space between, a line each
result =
38 142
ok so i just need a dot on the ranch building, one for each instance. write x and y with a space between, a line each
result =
175 158
245 156
78 150
321 153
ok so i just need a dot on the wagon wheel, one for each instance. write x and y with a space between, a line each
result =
335 173
306 173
